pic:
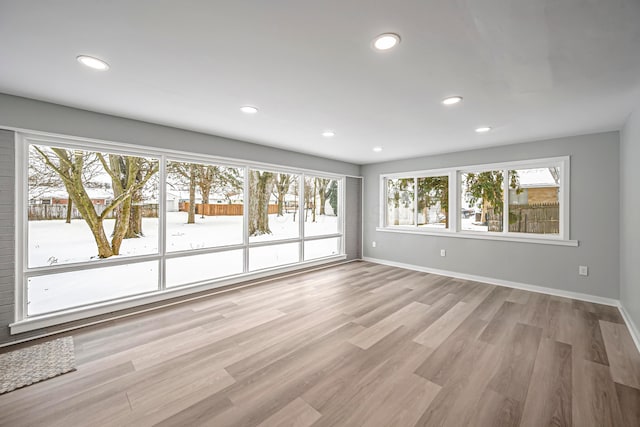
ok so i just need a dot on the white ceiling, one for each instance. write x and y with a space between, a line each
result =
531 69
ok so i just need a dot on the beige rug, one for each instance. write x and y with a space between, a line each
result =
29 365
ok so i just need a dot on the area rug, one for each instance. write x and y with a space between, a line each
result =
29 365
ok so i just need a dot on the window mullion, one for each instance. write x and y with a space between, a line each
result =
415 202
245 219
505 202
301 220
454 211
162 221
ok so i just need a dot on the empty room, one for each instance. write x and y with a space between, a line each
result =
319 213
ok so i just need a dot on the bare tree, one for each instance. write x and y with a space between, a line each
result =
217 179
186 173
282 184
69 165
43 179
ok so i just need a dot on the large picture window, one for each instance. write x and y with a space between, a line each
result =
514 200
104 223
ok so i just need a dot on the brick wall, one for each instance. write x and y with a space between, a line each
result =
542 195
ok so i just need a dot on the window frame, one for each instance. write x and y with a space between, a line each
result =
455 195
23 322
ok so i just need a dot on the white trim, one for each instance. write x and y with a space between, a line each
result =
135 149
48 320
543 162
162 223
479 236
631 326
21 229
500 282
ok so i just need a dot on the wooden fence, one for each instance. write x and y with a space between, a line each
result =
215 209
52 212
542 218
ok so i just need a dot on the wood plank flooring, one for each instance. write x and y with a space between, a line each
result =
358 344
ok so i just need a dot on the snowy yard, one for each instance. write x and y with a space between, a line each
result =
55 242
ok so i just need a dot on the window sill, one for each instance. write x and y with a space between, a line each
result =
478 236
86 312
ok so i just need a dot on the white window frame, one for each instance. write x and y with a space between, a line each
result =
25 323
455 194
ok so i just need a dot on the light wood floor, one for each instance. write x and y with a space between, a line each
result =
355 345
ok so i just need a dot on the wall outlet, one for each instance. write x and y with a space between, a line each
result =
443 252
373 244
583 270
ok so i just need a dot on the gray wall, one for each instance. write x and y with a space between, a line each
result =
594 212
42 116
629 216
16 112
7 209
353 218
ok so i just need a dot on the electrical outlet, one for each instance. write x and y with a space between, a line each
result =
583 270
443 252
373 244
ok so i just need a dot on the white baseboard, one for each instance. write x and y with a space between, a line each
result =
631 326
500 282
633 329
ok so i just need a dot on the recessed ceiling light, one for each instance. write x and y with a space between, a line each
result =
386 41
377 149
452 100
91 62
248 109
328 133
483 129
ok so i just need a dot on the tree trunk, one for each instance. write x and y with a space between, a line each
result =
88 213
260 188
134 229
135 221
483 216
313 212
322 184
102 242
280 204
69 209
122 225
323 200
191 219
205 189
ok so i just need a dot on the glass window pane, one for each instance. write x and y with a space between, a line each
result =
433 202
273 256
66 290
400 194
198 268
86 205
314 249
204 205
273 206
482 201
534 200
321 206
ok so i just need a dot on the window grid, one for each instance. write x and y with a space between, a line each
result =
22 160
456 194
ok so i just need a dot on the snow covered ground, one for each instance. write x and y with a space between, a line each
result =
55 242
470 224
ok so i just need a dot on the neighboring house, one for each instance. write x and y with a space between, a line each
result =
536 186
59 196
